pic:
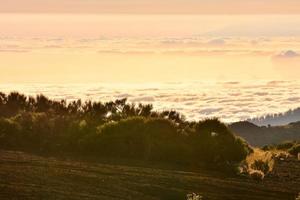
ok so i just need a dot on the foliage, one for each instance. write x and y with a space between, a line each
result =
294 150
261 166
138 137
292 147
257 175
115 129
218 144
9 133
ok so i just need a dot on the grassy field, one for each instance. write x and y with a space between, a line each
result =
27 176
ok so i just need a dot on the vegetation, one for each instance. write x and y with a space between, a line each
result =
257 175
292 147
115 129
28 176
266 161
261 165
118 132
260 136
258 164
277 119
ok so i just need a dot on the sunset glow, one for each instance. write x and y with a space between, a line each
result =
148 48
150 99
140 42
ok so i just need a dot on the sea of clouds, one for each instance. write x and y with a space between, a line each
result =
229 101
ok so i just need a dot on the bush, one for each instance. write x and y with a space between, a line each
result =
116 129
218 144
120 139
285 145
295 150
291 147
261 166
10 133
257 175
161 140
141 138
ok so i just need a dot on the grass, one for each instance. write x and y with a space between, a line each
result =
266 158
28 176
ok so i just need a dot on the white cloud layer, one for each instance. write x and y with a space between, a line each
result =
230 101
288 54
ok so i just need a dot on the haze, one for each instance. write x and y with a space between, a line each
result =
153 7
148 41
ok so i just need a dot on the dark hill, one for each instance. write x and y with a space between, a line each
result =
277 119
262 135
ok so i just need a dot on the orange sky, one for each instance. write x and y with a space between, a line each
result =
154 6
147 48
39 46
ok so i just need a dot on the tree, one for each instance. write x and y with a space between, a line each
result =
15 102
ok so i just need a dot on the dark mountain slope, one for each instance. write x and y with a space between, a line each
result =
278 118
262 135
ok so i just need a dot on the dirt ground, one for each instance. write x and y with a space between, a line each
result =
26 176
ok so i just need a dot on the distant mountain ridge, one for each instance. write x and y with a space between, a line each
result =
266 135
278 119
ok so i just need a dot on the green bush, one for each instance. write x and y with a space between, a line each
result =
160 139
294 150
218 144
261 165
142 138
115 129
10 133
292 147
285 145
257 175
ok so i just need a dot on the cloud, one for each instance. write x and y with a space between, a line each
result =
293 99
287 54
191 46
261 93
171 42
217 42
287 63
184 96
143 99
276 83
14 51
209 111
53 47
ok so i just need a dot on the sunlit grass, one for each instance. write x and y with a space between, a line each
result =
260 163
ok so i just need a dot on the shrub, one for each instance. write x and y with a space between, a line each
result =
261 166
120 139
10 133
285 145
142 138
115 129
267 147
218 144
257 175
294 150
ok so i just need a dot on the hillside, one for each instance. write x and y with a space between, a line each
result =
26 176
261 135
116 129
137 153
277 119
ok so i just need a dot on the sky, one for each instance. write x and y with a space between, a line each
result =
232 59
153 6
89 41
